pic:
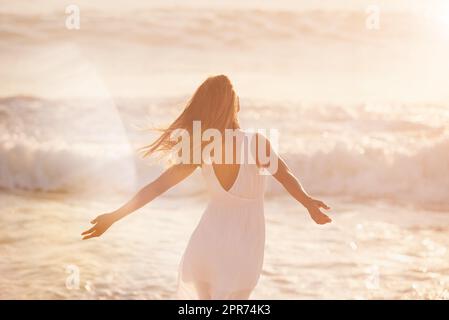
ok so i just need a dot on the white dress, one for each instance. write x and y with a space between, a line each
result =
224 257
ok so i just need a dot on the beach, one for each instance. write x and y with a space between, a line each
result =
371 251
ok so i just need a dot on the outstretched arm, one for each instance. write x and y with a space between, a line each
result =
293 186
166 180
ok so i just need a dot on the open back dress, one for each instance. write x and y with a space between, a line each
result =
224 256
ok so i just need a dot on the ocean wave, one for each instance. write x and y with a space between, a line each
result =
193 27
89 146
27 165
420 178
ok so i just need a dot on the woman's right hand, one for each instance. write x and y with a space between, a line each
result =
101 224
315 213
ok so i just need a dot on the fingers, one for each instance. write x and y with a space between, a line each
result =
88 231
321 204
325 221
326 218
92 235
321 218
92 232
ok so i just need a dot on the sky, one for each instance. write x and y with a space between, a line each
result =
403 69
25 6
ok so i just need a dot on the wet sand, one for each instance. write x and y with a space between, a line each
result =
371 251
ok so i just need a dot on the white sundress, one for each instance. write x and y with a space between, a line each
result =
224 256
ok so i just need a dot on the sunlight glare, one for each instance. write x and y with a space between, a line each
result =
441 17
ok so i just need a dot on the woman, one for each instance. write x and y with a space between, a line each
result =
223 259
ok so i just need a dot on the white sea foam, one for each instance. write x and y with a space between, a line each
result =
280 58
53 146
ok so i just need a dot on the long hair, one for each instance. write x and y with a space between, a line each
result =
214 103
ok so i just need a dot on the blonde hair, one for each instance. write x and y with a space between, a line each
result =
214 103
